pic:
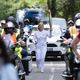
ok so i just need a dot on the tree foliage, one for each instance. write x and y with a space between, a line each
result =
60 8
8 7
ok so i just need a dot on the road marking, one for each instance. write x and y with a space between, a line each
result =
52 71
51 64
52 76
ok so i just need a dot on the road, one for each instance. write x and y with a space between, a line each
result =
53 71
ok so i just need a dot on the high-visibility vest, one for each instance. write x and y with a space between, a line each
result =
18 32
1 32
12 38
18 51
73 31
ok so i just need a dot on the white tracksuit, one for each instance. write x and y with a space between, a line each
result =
40 38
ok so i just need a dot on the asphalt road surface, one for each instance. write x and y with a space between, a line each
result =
53 71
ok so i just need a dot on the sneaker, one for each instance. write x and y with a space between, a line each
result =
42 71
66 75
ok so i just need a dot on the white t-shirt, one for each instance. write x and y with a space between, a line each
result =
8 72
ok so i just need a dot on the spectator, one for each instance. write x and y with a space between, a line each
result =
7 70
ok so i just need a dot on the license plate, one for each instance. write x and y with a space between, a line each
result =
50 49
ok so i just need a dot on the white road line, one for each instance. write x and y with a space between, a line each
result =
52 76
48 64
52 70
51 64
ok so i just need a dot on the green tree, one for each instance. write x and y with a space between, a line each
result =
77 6
8 7
59 8
69 8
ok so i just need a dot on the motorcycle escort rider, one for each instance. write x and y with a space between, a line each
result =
27 27
76 41
9 35
70 34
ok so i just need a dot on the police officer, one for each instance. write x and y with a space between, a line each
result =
40 38
72 29
27 26
3 25
9 36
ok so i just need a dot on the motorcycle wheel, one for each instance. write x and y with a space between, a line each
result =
78 75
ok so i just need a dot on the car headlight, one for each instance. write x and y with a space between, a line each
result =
64 49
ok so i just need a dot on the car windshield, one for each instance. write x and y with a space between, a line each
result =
60 22
32 13
34 16
56 31
45 20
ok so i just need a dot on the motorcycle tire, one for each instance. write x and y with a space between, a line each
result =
78 75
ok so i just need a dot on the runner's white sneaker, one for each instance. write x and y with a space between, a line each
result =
42 71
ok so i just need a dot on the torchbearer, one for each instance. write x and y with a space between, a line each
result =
40 38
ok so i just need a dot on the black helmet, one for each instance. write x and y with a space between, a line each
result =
26 20
11 18
70 21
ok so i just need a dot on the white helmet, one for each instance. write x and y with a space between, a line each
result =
3 21
0 23
77 16
77 23
10 25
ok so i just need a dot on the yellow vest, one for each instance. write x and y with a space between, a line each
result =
18 32
73 31
2 32
18 51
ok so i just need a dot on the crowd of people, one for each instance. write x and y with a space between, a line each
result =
12 33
